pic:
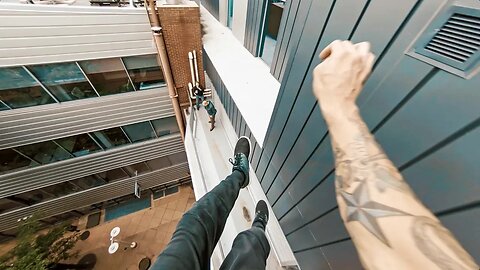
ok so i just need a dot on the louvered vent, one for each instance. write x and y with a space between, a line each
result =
458 39
451 42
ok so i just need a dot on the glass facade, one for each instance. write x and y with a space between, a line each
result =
44 152
47 152
113 175
50 83
88 182
11 160
9 205
110 138
108 76
18 89
64 80
144 71
139 132
79 145
270 32
33 197
165 126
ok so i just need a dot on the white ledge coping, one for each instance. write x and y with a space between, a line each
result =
246 77
207 154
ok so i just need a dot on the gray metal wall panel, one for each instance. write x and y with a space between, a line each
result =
297 31
284 32
465 226
401 96
37 177
453 171
254 24
213 7
313 259
47 122
94 195
340 25
431 115
342 255
320 11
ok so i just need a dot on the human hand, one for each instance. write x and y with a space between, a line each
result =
338 80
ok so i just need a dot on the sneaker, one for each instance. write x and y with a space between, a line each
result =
261 215
240 158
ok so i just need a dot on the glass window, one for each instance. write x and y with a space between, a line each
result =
88 182
111 137
139 168
108 76
64 80
113 175
11 160
3 106
178 158
61 189
139 132
44 152
159 163
171 190
34 196
18 89
9 205
165 126
230 14
272 24
144 71
79 145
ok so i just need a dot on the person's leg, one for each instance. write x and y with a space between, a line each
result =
198 231
212 122
250 248
197 101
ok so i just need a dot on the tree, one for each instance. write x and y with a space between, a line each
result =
41 251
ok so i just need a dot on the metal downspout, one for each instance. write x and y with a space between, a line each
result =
150 5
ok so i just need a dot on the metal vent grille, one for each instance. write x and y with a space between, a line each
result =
458 39
451 41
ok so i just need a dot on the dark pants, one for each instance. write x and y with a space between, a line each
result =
199 100
200 228
212 121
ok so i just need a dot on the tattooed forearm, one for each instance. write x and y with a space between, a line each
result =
366 183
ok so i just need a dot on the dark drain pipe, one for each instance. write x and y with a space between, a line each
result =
162 54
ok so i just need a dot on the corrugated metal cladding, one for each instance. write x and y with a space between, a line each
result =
41 123
62 171
426 119
33 34
213 7
254 25
95 195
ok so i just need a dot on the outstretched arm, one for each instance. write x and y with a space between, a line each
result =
389 226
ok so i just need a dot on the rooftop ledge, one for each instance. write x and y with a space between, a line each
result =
247 78
203 147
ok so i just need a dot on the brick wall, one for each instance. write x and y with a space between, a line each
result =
182 33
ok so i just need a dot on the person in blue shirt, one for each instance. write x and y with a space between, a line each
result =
210 108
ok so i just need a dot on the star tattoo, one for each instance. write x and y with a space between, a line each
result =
360 208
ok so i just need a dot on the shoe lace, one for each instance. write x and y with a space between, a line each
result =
234 161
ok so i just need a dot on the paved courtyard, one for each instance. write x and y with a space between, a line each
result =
151 228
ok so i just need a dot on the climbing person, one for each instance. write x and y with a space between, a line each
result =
388 224
210 108
199 230
199 95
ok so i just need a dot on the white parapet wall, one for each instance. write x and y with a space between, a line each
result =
208 154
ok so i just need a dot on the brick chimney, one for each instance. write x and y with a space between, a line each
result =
182 34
